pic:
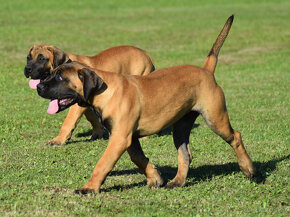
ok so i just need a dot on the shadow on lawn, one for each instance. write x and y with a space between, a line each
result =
205 173
202 173
123 187
89 134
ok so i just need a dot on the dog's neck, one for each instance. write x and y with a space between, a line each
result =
82 59
109 91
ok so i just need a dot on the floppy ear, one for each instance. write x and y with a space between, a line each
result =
59 57
30 49
91 82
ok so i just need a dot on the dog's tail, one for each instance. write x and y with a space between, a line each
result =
212 58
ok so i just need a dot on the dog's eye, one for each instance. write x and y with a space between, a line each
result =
59 78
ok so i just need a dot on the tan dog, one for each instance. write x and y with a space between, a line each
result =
42 59
136 106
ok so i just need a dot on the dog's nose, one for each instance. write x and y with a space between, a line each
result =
27 71
40 88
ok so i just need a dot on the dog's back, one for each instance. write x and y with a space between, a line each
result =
128 60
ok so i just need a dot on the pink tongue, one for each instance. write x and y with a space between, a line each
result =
53 107
33 83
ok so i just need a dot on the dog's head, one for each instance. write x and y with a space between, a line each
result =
41 60
68 84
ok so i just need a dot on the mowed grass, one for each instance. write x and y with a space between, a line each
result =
253 71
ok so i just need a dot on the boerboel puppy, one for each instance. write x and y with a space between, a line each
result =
42 59
136 106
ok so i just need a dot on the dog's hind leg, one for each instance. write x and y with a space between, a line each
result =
216 117
181 132
138 157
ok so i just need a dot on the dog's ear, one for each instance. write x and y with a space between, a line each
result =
91 82
68 61
30 49
59 57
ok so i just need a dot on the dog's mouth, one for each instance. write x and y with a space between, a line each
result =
57 105
33 83
35 80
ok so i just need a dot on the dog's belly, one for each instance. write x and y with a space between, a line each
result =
155 122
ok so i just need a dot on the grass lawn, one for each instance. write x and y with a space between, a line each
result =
253 71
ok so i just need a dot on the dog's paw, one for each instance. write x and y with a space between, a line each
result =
85 191
97 134
175 184
155 182
247 167
171 185
95 137
53 143
249 171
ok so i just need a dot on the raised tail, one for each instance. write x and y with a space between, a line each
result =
212 58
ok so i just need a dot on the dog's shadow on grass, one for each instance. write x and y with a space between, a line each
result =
204 173
90 132
207 172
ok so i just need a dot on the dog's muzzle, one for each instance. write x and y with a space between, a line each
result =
27 71
40 89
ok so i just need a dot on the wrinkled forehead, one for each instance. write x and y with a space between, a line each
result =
66 70
70 73
71 67
36 50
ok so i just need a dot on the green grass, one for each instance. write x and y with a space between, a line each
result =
253 71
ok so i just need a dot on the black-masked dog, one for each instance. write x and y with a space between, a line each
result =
136 106
42 59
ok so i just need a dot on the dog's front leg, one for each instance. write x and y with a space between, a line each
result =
72 119
93 118
117 146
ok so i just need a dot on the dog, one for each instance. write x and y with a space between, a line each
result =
42 59
137 106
